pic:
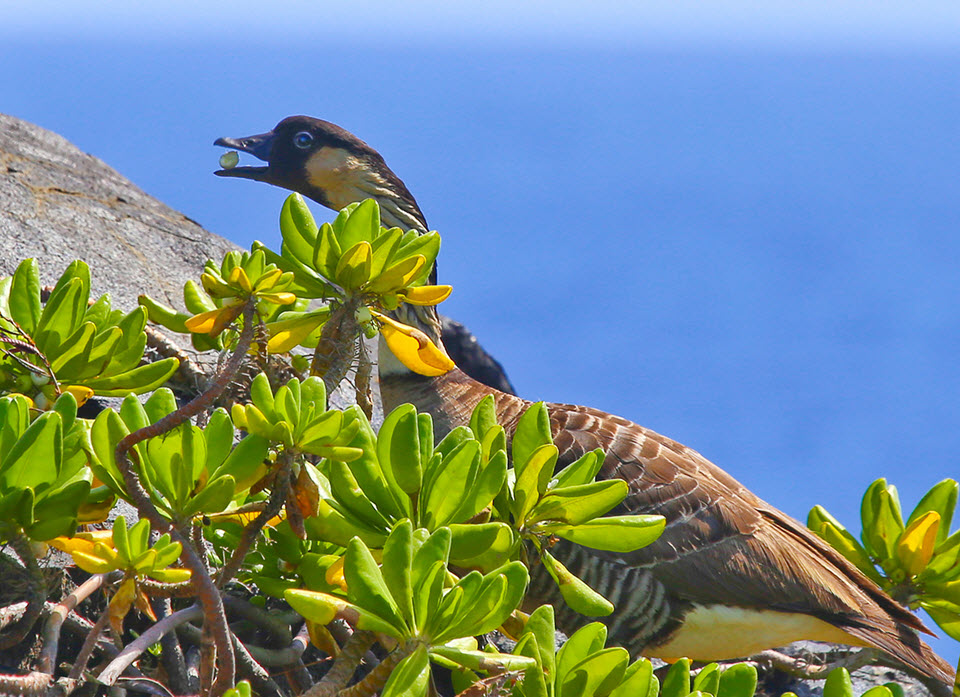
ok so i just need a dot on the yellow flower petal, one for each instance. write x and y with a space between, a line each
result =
916 544
80 392
426 295
213 322
413 348
239 277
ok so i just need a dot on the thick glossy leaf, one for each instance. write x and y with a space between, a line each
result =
533 432
597 675
946 616
677 681
638 681
291 331
398 448
353 269
578 595
35 457
583 471
138 380
357 222
482 660
577 504
484 417
739 680
384 246
351 497
397 560
587 640
326 252
164 315
613 534
534 680
453 483
708 679
481 545
411 677
838 684
24 302
367 588
542 624
532 480
397 275
62 314
298 228
212 498
941 498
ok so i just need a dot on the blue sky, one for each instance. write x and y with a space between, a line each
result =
733 222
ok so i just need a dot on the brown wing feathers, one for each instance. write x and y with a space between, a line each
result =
722 546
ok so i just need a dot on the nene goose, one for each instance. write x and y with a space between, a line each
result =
730 576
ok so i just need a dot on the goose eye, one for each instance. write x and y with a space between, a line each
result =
304 139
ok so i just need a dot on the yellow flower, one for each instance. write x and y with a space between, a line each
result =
413 348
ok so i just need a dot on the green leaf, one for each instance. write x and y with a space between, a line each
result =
534 681
139 380
677 682
597 675
878 691
945 615
397 560
61 316
215 497
587 640
24 300
332 524
482 660
383 248
326 252
120 540
350 496
353 269
542 624
35 457
454 480
398 448
484 417
577 504
532 433
532 480
708 679
367 588
614 534
577 594
481 545
739 680
583 471
638 681
838 684
411 677
358 222
942 498
298 228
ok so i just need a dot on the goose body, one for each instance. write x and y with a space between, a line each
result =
731 575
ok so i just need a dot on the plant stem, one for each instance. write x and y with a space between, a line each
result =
207 591
59 612
344 666
130 653
36 592
80 664
377 678
277 497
